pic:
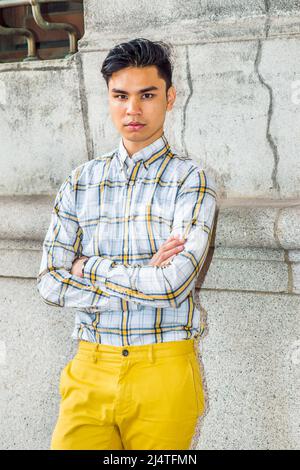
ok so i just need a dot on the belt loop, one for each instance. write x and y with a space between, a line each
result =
150 353
96 349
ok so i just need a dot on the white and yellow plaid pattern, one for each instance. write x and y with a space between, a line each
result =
118 210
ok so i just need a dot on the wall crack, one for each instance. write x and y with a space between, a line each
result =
269 136
190 84
84 107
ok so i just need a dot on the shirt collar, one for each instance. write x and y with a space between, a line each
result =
148 154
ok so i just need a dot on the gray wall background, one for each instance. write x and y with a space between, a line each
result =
237 112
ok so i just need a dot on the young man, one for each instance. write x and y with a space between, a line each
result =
129 233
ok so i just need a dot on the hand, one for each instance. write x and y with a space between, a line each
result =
170 248
77 266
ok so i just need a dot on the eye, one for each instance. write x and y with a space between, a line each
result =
148 94
145 94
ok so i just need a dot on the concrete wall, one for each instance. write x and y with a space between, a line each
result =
237 74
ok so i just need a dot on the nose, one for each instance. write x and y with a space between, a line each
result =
133 107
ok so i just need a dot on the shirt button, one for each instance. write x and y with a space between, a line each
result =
131 183
125 352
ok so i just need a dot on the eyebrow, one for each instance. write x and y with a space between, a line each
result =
149 88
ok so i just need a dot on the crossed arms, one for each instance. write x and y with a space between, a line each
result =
105 283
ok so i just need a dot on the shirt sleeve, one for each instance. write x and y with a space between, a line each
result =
167 286
62 244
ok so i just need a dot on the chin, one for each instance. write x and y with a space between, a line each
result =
134 136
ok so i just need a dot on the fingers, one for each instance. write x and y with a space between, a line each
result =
173 251
176 237
170 248
172 242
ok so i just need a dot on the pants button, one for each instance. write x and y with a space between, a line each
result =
125 352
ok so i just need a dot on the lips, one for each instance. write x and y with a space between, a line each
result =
135 126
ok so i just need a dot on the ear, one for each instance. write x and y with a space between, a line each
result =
171 97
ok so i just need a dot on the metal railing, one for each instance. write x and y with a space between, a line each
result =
42 23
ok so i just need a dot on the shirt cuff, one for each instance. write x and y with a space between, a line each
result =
96 269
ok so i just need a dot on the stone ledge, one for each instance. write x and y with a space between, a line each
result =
40 65
179 32
201 30
252 270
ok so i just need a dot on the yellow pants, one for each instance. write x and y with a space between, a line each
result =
131 397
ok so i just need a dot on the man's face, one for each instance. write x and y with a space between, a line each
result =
139 94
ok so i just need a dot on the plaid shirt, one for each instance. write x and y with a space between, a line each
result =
118 210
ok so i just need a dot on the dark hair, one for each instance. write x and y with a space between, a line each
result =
139 52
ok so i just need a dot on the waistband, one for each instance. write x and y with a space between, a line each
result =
149 351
